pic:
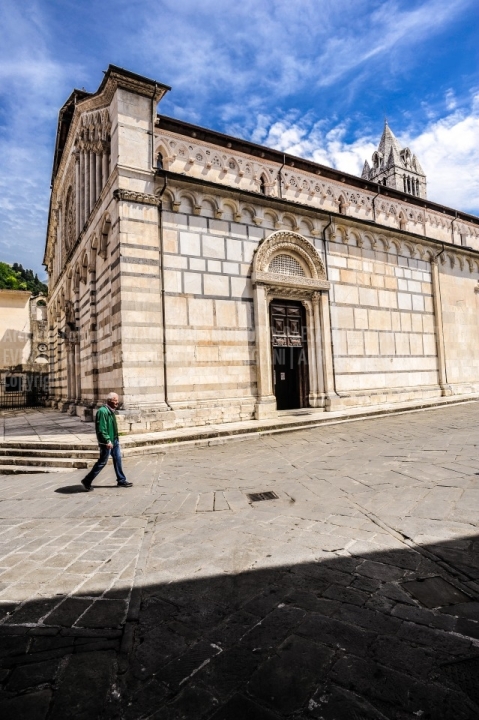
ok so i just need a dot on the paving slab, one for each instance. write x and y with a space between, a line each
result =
352 593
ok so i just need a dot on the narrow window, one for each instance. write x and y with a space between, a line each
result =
262 186
159 162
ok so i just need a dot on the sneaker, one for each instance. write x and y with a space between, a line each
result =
88 488
124 484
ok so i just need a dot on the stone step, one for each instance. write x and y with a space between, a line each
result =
50 462
31 469
61 445
33 452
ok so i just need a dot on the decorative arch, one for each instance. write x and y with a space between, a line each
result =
342 204
93 253
271 219
230 210
104 236
293 245
69 228
289 221
84 267
211 207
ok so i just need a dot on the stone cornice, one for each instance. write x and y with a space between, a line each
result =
289 281
292 207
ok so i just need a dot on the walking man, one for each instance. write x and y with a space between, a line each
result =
107 435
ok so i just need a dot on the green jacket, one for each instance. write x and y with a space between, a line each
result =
105 425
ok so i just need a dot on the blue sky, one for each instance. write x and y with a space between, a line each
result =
311 77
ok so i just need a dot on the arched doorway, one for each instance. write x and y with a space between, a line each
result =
292 314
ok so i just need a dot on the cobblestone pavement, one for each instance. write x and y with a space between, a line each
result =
353 595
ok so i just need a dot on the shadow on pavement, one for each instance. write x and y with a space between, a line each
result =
386 635
70 489
73 489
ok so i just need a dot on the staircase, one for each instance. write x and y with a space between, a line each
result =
44 457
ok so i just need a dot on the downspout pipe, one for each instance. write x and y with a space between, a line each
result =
441 351
162 279
280 177
326 265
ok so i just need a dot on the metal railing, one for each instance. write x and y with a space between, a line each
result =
23 390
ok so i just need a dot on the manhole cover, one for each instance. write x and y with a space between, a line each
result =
464 673
435 592
269 495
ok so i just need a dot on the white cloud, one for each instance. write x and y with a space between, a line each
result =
31 81
267 51
449 153
447 149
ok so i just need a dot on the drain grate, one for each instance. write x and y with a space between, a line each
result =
269 495
435 592
464 673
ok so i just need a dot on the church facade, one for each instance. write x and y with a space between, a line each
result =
207 279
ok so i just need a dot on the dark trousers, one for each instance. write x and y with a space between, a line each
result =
102 461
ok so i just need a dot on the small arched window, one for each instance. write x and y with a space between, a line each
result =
41 311
262 185
159 161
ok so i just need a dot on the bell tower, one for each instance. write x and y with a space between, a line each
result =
395 167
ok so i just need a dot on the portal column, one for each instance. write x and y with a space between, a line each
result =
87 186
266 402
81 189
92 180
77 192
104 167
310 338
99 186
327 347
318 331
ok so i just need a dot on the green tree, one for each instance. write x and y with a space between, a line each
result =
15 277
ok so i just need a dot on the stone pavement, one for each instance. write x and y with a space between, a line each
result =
353 595
44 425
